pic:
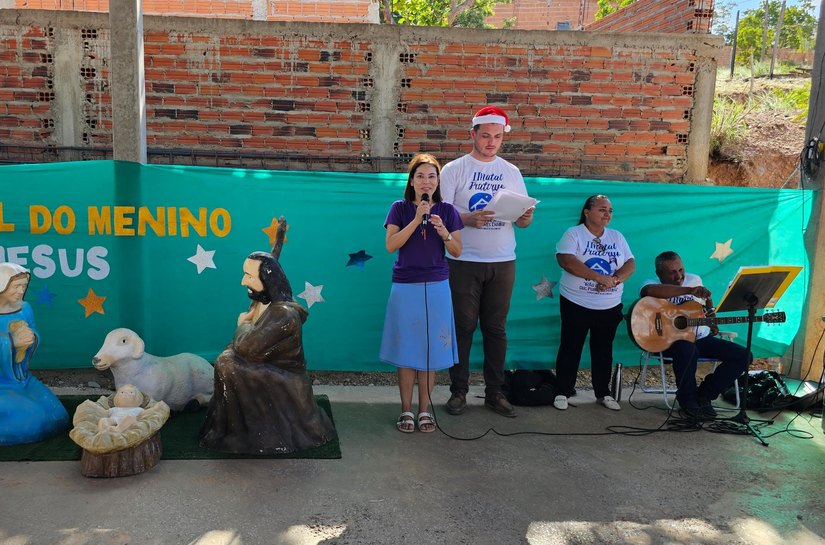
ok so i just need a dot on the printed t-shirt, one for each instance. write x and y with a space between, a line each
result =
605 257
470 184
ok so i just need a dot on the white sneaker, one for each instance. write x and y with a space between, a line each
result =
610 403
560 402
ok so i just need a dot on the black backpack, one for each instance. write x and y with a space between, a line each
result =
530 388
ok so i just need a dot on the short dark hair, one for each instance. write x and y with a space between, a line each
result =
272 276
665 257
588 204
418 160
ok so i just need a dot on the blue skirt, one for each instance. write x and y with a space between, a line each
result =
419 328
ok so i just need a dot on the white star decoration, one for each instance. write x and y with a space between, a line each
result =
543 288
203 259
312 294
722 251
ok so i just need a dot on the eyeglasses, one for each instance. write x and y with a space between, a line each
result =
597 242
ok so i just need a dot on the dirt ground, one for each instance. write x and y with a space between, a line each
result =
92 379
770 154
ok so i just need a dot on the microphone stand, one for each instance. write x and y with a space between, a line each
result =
753 288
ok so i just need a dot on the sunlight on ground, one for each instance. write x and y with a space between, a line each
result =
302 534
672 532
13 540
219 537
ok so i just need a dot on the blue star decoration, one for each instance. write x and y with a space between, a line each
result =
358 259
543 288
45 296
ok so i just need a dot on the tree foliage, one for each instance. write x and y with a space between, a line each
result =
455 13
798 28
722 22
606 7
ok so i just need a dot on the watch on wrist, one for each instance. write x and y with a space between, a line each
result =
449 237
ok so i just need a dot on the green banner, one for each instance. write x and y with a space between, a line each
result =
159 249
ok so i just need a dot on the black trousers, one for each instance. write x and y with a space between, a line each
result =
576 322
481 295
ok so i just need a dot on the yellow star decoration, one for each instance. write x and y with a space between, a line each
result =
272 231
92 303
722 251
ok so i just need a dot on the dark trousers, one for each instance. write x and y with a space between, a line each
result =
685 354
576 322
481 295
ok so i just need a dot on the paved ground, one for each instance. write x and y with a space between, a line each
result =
579 486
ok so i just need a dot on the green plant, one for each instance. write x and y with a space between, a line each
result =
728 129
792 102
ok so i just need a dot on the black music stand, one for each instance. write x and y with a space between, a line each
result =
754 288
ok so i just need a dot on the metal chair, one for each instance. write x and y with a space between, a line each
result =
665 390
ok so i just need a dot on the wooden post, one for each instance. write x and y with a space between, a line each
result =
776 37
735 42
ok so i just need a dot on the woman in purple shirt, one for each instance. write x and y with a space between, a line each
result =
419 330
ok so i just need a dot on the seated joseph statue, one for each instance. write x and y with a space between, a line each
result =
263 401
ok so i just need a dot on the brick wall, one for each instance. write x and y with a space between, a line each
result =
545 14
357 97
674 16
330 11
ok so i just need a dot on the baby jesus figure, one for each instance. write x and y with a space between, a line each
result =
127 406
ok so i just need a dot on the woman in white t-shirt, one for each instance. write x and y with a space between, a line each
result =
595 262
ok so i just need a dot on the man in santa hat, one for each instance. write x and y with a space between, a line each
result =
481 279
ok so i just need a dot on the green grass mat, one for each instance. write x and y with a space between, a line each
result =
179 437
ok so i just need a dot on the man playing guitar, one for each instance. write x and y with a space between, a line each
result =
679 287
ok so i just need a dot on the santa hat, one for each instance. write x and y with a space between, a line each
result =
491 114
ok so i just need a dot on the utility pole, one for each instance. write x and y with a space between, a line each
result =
764 32
812 325
776 37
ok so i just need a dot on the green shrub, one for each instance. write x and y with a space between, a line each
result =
728 129
791 102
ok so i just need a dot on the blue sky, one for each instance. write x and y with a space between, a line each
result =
743 5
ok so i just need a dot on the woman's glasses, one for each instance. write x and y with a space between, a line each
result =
597 242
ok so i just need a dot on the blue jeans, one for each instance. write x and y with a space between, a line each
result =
685 354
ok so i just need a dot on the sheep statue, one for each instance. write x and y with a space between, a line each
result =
178 380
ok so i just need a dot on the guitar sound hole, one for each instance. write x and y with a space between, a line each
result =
680 322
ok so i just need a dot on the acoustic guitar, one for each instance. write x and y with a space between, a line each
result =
654 324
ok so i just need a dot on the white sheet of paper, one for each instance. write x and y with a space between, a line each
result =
509 206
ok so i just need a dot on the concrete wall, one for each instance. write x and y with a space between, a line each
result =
676 16
330 11
545 14
363 97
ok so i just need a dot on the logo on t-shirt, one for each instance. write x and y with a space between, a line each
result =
479 201
679 299
599 265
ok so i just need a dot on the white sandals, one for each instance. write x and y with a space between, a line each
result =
426 423
406 422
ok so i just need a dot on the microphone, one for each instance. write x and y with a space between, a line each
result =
425 197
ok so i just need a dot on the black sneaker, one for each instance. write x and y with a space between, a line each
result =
706 409
499 403
695 414
457 403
